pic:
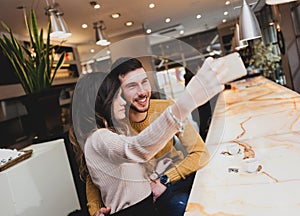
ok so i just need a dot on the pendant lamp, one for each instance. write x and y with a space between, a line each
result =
59 28
249 27
237 42
274 2
56 29
65 30
101 38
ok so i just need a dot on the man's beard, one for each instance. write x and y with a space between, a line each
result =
134 108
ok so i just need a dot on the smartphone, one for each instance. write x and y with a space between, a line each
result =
235 65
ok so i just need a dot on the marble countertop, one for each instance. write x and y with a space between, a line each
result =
254 141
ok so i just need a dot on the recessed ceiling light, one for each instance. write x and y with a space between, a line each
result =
151 5
167 20
115 15
181 32
224 20
198 16
129 23
227 3
95 5
148 31
92 50
226 13
84 26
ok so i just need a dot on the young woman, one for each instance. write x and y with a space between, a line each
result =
113 153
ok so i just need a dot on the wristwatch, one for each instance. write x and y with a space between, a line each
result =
154 176
165 180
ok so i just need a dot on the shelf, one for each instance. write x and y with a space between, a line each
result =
70 80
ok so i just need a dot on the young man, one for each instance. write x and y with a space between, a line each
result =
170 189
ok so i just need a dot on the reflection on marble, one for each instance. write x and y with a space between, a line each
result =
275 113
256 119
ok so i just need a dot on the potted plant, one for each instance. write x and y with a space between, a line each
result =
35 67
33 64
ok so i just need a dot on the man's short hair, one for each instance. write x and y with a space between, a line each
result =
124 65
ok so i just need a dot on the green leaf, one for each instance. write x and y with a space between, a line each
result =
33 63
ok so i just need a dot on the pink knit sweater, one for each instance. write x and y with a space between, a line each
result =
114 161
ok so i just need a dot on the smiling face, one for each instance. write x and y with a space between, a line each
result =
119 106
136 90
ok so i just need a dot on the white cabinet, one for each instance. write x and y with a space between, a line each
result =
40 185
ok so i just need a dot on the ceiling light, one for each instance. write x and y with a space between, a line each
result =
181 32
59 28
249 27
238 44
129 23
95 5
198 16
64 27
84 26
227 3
226 13
148 31
151 5
224 20
167 20
115 15
92 50
101 38
55 27
274 2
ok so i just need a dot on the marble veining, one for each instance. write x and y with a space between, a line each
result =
254 142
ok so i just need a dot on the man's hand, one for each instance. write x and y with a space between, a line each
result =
157 189
103 211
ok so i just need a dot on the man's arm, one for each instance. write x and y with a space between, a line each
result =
93 195
197 155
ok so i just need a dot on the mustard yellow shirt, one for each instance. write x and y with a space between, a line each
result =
197 154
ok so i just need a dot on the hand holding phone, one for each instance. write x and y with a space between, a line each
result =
235 65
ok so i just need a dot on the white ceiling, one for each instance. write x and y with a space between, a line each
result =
77 12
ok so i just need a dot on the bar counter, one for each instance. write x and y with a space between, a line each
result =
254 141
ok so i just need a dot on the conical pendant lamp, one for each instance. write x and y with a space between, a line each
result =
249 27
238 43
274 2
65 30
56 29
59 28
101 38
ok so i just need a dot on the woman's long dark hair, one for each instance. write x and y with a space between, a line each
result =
92 108
104 103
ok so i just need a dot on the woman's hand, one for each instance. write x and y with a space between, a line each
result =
103 211
202 87
157 189
162 165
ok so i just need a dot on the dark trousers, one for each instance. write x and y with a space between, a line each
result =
144 208
174 200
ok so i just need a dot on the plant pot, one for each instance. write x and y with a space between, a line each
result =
44 114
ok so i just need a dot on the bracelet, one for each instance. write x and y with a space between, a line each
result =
180 123
155 175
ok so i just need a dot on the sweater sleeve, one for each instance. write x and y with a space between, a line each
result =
140 148
197 154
